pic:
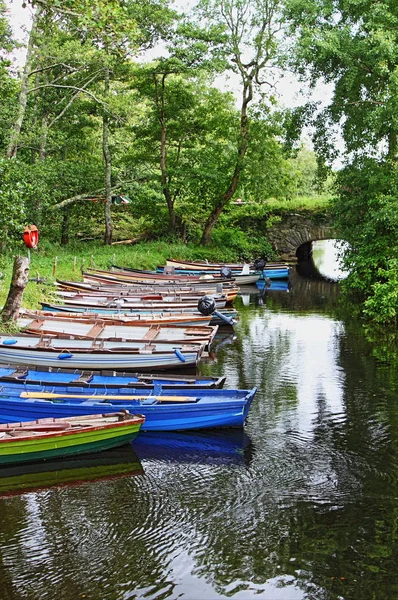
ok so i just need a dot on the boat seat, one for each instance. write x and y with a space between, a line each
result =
19 373
84 378
44 342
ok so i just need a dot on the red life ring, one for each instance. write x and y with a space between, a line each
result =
31 236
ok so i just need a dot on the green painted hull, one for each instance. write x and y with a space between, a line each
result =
21 451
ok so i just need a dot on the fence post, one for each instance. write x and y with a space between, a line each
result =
55 265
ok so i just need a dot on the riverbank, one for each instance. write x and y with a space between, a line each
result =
47 263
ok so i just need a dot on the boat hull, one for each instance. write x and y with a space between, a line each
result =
115 361
213 408
67 442
74 378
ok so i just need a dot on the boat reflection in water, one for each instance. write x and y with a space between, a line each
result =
274 285
213 447
106 465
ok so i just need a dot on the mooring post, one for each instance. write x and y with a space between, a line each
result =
20 277
55 266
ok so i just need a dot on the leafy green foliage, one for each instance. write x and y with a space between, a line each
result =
353 47
366 213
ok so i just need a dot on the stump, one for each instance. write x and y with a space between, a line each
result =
19 280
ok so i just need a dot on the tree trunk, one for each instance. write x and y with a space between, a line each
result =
23 94
242 149
19 280
65 226
163 153
108 168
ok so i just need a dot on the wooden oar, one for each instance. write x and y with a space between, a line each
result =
103 397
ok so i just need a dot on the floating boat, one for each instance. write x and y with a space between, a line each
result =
74 378
46 351
152 278
126 289
115 318
102 312
49 438
239 278
167 410
270 271
128 303
140 297
67 472
100 330
121 310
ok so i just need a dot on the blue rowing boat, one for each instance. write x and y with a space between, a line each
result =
183 410
52 376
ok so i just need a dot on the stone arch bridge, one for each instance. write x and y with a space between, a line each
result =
291 234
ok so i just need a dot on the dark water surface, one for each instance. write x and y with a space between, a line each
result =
301 504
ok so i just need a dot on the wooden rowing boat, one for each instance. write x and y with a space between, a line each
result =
116 318
46 351
95 379
125 289
119 277
49 438
101 313
274 270
167 410
130 303
230 314
239 278
95 329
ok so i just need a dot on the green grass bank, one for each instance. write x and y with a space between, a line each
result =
50 262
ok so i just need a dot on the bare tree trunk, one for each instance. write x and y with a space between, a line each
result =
165 179
244 140
65 226
108 169
19 280
23 94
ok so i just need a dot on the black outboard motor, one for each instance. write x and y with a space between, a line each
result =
207 306
226 273
259 264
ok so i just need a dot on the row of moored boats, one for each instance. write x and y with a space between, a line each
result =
107 358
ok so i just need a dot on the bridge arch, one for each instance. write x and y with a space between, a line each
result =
293 230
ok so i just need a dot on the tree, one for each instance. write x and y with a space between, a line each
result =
253 31
354 46
112 31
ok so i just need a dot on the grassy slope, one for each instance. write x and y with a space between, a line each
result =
69 262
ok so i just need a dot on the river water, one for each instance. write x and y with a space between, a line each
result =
301 504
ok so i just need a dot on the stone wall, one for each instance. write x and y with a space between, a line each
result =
295 229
